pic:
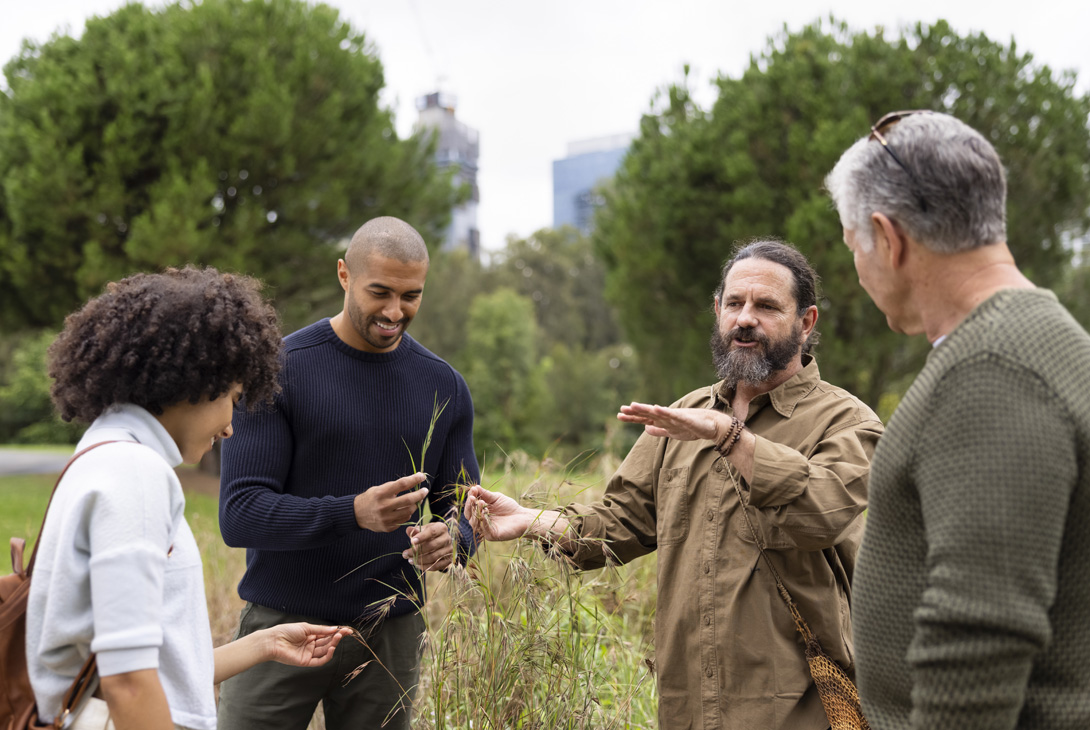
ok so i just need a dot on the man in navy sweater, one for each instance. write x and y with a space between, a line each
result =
320 488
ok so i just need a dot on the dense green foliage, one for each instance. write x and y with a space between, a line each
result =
502 373
244 134
531 332
537 343
247 135
26 412
697 181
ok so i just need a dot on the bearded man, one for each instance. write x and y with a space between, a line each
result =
727 651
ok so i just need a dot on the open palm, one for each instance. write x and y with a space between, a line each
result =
306 645
683 424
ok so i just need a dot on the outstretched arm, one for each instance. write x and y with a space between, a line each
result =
497 518
297 644
814 494
691 424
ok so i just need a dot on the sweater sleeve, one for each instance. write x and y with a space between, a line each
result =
995 471
255 510
458 469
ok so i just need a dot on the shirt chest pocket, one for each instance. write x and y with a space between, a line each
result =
672 506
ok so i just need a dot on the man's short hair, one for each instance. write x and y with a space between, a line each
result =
953 200
388 237
779 252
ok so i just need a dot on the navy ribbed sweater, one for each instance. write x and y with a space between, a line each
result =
345 421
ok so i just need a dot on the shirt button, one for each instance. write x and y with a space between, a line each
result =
708 672
719 466
711 515
707 620
707 568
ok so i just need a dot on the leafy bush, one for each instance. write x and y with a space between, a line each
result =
26 411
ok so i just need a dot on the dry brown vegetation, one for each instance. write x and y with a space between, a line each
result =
516 639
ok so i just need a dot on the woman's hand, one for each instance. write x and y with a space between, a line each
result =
297 644
303 644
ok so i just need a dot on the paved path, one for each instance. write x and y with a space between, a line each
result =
18 461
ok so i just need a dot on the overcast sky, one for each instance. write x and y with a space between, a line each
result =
534 76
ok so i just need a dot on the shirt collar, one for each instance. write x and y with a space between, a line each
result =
785 396
128 422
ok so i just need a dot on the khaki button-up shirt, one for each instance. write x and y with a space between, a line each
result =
728 654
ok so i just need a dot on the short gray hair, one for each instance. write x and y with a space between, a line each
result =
955 171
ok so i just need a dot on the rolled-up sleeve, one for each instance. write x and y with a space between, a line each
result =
814 497
129 529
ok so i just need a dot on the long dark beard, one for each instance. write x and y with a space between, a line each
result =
752 366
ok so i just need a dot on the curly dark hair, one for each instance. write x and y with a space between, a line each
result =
159 339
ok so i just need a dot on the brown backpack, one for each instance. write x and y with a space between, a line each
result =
17 708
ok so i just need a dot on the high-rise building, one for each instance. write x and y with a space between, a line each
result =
575 178
458 146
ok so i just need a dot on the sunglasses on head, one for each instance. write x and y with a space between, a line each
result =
878 132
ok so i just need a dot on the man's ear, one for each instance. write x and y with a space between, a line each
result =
809 321
889 240
715 301
342 273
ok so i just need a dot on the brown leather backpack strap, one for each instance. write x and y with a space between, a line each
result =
85 682
34 553
87 679
18 545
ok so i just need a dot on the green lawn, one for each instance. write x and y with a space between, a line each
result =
22 505
23 499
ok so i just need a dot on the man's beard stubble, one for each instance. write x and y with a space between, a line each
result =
752 366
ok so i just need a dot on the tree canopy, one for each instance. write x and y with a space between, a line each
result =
244 134
697 181
536 341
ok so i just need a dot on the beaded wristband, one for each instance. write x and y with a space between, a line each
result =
734 439
730 438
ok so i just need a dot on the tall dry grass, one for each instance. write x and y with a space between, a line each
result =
519 639
516 638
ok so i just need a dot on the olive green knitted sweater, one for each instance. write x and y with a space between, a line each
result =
971 599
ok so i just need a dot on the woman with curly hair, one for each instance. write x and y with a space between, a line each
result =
156 365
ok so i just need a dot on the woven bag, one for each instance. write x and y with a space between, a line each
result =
838 693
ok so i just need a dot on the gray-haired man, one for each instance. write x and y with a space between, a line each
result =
973 585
